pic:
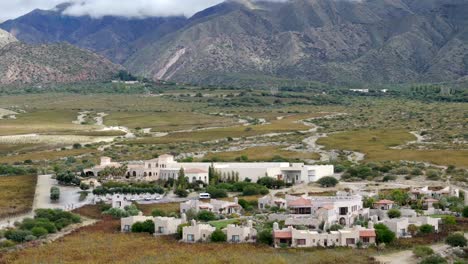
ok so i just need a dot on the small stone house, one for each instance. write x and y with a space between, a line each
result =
120 201
167 225
197 232
241 234
127 222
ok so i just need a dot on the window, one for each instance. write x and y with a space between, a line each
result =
365 240
160 229
350 241
235 238
190 238
149 165
300 242
126 228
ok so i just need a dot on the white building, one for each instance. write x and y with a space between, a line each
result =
120 201
167 225
197 232
215 206
165 167
241 234
400 225
126 223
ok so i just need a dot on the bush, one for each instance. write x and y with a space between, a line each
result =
206 216
456 240
250 190
180 228
158 212
388 178
216 193
218 236
143 227
265 237
39 231
422 251
426 229
54 193
465 210
7 244
336 227
116 213
327 182
394 213
433 259
17 235
181 192
432 175
384 235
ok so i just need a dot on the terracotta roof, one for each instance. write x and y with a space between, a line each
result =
300 202
282 234
367 233
195 170
385 202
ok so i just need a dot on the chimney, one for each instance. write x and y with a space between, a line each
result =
183 216
275 226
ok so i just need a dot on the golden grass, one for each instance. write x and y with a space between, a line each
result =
17 194
262 154
376 145
98 244
46 155
42 121
287 124
166 121
165 207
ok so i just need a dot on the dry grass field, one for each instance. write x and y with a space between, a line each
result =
262 154
16 194
287 124
166 121
165 207
102 243
45 155
376 145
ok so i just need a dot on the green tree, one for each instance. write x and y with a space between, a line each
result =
39 231
384 235
206 216
328 181
54 193
218 236
422 251
456 240
265 237
426 229
394 213
465 210
143 227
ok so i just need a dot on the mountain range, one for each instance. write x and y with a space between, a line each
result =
22 63
331 41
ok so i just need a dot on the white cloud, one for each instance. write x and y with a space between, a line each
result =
10 9
139 8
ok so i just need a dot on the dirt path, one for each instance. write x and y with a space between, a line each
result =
406 256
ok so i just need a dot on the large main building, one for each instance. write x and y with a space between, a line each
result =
165 167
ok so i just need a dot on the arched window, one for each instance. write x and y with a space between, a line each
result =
134 173
150 174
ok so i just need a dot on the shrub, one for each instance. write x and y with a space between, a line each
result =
250 190
116 213
206 216
456 240
416 172
422 251
218 236
7 244
426 229
158 212
432 175
265 237
181 192
394 213
465 210
433 259
143 227
180 230
17 235
216 193
335 227
39 231
388 178
54 193
384 235
327 182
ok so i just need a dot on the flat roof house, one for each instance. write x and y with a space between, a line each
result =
126 223
197 232
241 234
167 225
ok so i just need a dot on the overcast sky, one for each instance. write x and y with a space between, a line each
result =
97 8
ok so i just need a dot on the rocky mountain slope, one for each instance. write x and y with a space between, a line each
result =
114 37
376 41
54 63
333 41
6 38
